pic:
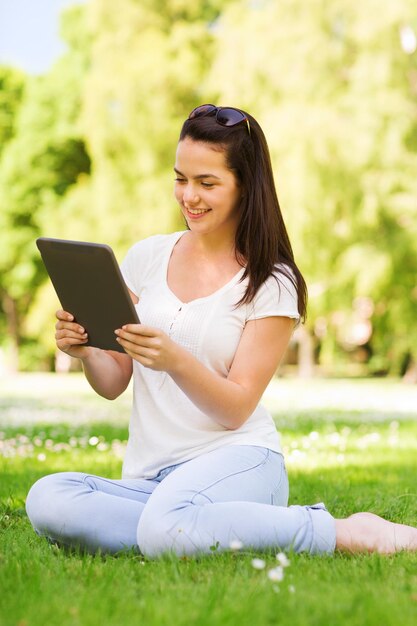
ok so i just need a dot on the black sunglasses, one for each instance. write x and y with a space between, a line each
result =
225 116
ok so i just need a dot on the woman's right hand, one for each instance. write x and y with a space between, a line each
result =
70 336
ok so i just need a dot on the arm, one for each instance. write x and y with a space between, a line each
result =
229 401
107 371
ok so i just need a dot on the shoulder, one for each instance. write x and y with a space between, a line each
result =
145 257
277 295
146 250
152 244
284 277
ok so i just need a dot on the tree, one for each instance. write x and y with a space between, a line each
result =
12 84
89 155
41 161
115 99
148 62
335 93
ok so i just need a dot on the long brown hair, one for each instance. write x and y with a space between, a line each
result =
261 240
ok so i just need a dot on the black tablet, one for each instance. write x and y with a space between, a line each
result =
90 286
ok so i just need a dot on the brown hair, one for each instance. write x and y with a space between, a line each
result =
262 240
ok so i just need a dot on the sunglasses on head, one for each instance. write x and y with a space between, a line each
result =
225 116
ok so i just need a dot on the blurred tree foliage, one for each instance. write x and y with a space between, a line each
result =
12 85
335 90
147 65
41 161
87 150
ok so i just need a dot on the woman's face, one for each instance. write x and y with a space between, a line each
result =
206 190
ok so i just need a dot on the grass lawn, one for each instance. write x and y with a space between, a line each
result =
350 444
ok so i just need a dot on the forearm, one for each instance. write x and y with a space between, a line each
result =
105 372
226 402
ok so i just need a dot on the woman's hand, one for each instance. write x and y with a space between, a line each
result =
70 336
149 346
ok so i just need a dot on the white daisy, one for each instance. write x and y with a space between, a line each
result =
282 559
276 574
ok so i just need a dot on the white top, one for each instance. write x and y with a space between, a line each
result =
166 428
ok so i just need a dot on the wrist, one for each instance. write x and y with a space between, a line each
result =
89 353
180 363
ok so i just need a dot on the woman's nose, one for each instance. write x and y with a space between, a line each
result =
190 196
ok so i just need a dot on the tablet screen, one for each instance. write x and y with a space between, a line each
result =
90 286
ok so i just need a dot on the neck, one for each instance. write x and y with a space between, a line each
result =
212 244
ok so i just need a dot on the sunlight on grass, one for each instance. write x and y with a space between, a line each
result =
375 397
42 444
358 444
349 449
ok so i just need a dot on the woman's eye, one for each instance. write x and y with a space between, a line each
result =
180 180
207 185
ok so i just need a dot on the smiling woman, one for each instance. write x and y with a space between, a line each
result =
218 303
207 190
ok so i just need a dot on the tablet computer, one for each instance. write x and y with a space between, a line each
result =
90 286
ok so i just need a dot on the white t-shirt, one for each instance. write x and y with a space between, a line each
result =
166 428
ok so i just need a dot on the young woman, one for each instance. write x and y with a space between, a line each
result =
218 304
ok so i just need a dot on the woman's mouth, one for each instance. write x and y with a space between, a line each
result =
196 212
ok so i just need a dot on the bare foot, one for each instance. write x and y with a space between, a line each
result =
366 532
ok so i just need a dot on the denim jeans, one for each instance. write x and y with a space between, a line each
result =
234 493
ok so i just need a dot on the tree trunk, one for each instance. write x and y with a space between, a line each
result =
305 353
410 375
12 318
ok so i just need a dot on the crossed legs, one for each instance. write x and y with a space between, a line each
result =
233 493
90 512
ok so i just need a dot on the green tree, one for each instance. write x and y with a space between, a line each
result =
334 88
41 161
116 98
333 85
148 62
12 83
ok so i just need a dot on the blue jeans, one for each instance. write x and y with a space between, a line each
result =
233 493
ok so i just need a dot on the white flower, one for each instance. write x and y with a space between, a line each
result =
276 574
235 545
41 456
282 559
291 589
258 563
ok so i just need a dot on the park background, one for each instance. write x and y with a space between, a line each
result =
87 150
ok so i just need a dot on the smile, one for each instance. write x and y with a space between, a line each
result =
197 211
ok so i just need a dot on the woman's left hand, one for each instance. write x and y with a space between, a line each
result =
149 346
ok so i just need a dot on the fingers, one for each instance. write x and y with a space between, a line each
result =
137 338
138 352
144 356
64 315
145 349
74 336
73 326
140 329
68 333
65 322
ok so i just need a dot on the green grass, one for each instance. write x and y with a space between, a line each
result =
362 458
